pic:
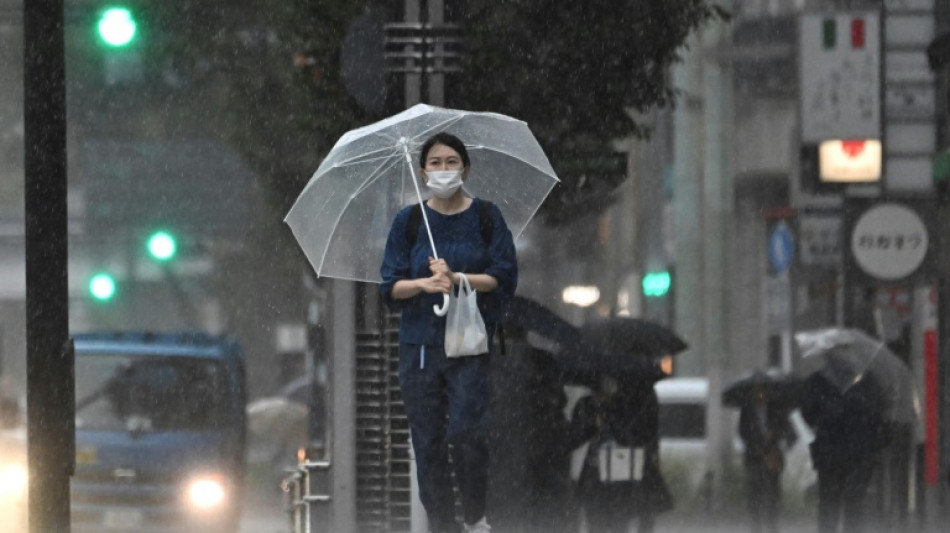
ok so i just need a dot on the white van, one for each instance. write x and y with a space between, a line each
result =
683 447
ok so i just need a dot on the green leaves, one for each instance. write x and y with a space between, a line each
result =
572 70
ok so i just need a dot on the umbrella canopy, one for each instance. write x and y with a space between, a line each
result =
856 363
633 336
342 218
619 345
777 387
299 390
588 370
532 316
276 418
275 425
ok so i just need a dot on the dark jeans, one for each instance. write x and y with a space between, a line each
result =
763 494
841 491
447 402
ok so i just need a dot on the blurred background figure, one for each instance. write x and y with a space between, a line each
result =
766 432
616 431
849 439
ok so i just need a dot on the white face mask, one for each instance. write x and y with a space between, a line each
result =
444 183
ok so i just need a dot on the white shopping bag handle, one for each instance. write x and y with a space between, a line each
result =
415 183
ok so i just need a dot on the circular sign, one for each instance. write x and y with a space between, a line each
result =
889 241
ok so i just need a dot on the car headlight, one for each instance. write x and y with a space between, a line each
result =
206 493
13 480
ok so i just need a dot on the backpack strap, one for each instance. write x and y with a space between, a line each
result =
412 225
485 222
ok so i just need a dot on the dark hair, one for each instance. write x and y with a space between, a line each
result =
447 139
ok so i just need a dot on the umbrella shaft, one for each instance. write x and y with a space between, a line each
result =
415 183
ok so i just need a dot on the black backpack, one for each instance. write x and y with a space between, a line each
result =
486 227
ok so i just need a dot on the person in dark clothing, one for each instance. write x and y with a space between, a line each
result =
620 478
765 430
849 437
447 398
547 462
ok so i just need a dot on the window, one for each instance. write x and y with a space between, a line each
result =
148 393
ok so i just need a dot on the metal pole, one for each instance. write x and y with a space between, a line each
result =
418 520
413 80
49 366
435 80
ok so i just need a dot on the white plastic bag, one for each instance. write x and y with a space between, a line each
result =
465 332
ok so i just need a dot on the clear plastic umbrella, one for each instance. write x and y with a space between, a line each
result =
342 217
856 363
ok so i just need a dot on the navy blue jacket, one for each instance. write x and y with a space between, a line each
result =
459 241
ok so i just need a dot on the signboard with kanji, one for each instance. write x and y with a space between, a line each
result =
840 71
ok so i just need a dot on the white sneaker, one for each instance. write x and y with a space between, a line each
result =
478 527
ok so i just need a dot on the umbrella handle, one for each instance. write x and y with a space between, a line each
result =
445 306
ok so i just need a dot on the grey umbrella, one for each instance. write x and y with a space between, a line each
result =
856 363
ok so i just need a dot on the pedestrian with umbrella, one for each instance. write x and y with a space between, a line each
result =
617 432
352 222
617 344
431 381
765 400
856 392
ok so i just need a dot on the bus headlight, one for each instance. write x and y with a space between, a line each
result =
206 493
13 480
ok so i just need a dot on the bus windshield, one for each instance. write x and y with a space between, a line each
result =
149 393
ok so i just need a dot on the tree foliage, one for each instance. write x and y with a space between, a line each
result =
575 71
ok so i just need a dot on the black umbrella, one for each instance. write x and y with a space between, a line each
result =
588 368
532 316
778 388
635 336
575 360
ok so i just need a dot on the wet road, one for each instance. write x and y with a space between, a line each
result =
263 511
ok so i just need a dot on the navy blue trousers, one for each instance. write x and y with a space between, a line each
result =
447 402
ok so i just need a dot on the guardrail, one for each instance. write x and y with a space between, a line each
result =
298 496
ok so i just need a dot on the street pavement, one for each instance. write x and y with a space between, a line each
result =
263 510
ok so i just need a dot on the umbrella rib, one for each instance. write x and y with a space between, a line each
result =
373 176
441 125
368 157
509 154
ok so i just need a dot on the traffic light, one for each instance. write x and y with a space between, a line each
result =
657 284
102 287
117 27
117 36
162 246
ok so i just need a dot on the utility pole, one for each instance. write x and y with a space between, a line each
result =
703 212
49 362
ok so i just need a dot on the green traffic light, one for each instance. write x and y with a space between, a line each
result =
162 246
656 284
117 27
102 287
